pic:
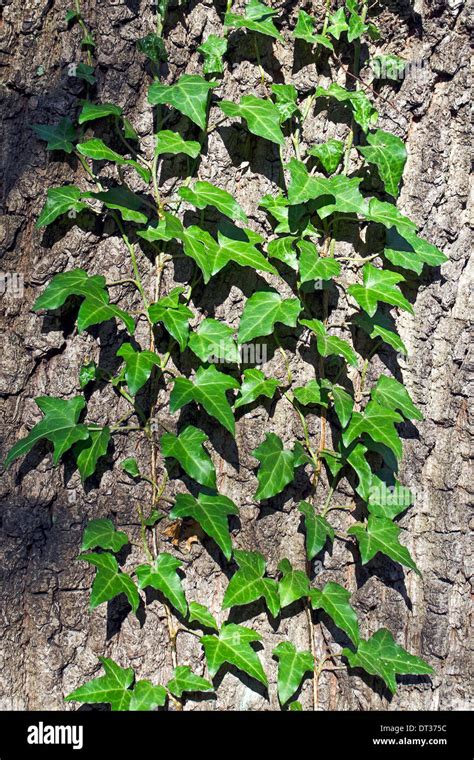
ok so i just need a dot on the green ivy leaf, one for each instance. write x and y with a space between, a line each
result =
162 576
199 613
304 30
357 27
312 393
285 100
388 215
387 66
329 154
102 533
239 246
255 384
99 151
204 194
138 366
379 534
387 497
112 689
121 199
85 72
130 466
59 425
295 707
262 116
189 95
411 252
355 457
110 581
330 345
337 24
153 46
174 315
211 512
188 450
312 266
93 111
379 285
214 338
185 680
343 401
88 452
393 395
282 248
213 51
378 422
389 155
59 136
363 112
257 17
59 201
95 307
318 530
249 584
167 141
292 665
209 389
345 191
277 466
263 310
87 374
382 656
294 584
381 326
334 600
232 645
146 696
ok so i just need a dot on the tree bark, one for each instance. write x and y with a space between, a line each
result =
50 641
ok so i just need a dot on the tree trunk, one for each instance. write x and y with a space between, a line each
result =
50 641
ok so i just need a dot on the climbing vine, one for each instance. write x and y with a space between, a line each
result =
324 187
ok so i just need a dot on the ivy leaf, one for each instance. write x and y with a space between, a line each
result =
162 576
121 199
378 422
211 512
337 24
390 393
233 645
93 111
102 533
59 425
249 584
167 228
88 452
204 194
130 466
411 251
146 696
167 141
87 374
382 656
381 326
213 51
286 96
199 613
277 466
153 46
379 534
363 112
387 66
304 30
292 665
185 680
110 581
387 497
379 285
329 154
355 457
188 450
330 345
238 245
262 116
99 151
334 600
95 307
60 200
345 191
263 310
209 389
343 401
59 136
174 315
295 707
318 530
357 27
388 215
138 366
255 384
312 393
282 248
112 689
389 155
189 95
85 72
257 17
315 267
294 584
214 338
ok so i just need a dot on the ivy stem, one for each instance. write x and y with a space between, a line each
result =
85 30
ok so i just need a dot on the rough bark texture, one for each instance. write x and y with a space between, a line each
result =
50 642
